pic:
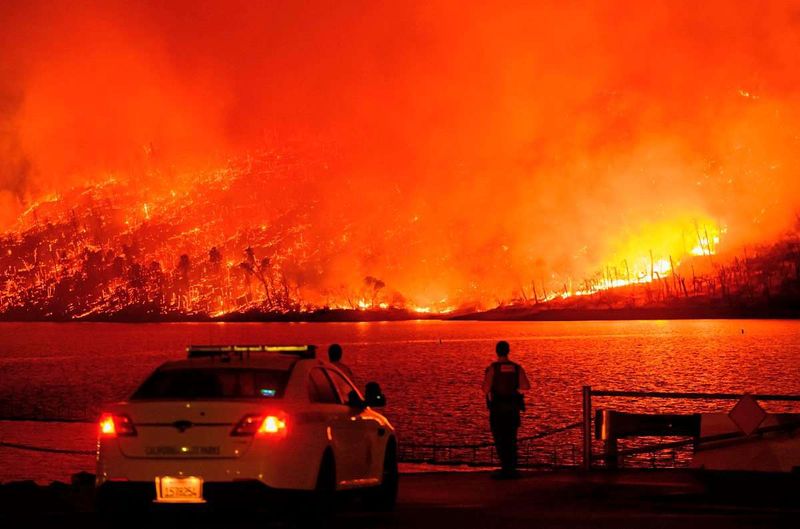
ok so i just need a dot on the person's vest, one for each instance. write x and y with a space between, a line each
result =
505 380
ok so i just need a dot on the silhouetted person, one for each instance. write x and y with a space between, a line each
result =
335 356
502 384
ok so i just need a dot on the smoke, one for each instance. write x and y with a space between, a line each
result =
500 145
14 166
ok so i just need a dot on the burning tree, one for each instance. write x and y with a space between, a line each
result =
374 286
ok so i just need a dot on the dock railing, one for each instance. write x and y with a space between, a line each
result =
587 394
529 453
572 451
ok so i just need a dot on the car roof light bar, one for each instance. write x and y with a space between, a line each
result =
205 351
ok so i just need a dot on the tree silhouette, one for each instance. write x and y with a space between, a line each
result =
260 271
374 285
215 258
182 281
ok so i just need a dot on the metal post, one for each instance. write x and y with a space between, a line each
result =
587 427
612 453
605 422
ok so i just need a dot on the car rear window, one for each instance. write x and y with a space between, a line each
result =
216 383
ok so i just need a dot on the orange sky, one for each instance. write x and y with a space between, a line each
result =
514 142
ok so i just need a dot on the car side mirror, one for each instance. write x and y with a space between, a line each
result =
373 396
354 401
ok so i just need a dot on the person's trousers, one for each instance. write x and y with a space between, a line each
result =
504 430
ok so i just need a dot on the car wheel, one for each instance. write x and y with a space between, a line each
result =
384 497
326 485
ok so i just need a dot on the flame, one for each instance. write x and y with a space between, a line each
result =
679 239
433 159
218 286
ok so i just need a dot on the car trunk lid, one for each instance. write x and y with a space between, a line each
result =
183 429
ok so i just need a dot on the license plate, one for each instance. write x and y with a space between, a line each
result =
179 490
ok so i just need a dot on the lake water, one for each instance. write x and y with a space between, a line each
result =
430 371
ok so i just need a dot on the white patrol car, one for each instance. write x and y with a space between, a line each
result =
236 423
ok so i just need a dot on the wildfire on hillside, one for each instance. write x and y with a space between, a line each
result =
114 249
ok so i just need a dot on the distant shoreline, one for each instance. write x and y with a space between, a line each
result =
637 313
511 313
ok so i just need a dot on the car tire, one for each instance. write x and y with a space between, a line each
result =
325 489
383 498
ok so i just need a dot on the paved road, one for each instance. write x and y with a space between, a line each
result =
560 500
619 500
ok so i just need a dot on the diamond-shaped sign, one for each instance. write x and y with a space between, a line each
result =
747 414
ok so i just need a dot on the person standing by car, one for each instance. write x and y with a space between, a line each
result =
335 357
502 384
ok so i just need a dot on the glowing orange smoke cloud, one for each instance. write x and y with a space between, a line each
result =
454 152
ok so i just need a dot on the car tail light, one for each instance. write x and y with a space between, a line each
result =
114 425
272 424
261 425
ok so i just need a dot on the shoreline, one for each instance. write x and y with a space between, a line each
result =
511 313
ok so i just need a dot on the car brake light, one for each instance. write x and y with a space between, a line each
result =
107 428
272 424
112 425
255 424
